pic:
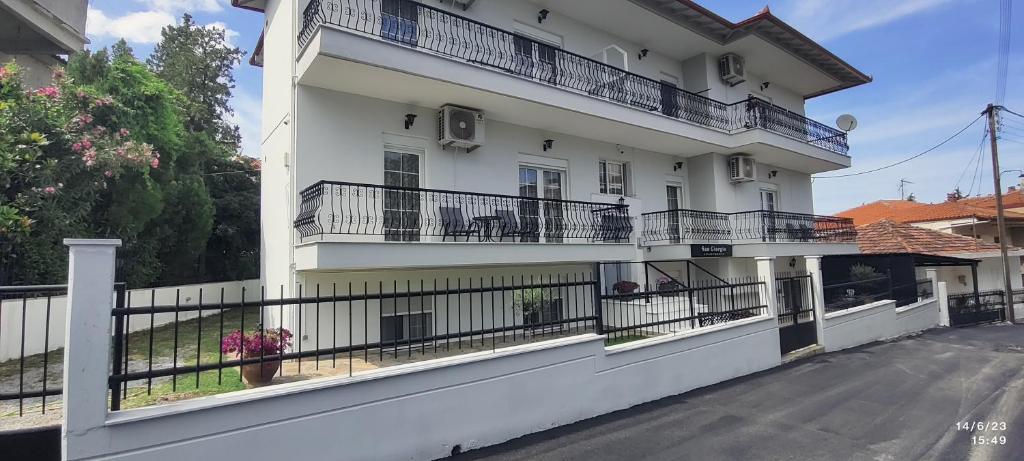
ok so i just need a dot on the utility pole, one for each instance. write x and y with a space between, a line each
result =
992 111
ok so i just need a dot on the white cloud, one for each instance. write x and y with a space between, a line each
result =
828 19
173 6
229 34
137 27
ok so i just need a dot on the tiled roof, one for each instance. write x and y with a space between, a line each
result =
910 212
886 237
877 211
1011 199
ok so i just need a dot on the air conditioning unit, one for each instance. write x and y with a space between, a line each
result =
742 168
460 127
731 69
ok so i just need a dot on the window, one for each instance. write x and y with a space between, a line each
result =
613 177
406 318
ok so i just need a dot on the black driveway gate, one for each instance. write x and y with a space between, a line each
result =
974 308
796 315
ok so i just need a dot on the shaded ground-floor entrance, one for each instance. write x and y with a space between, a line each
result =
893 400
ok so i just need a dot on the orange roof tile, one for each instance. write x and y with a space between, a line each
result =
886 237
1011 199
877 211
910 212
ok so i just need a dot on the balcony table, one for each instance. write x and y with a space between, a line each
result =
486 226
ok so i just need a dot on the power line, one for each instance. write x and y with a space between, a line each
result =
1002 68
974 158
958 133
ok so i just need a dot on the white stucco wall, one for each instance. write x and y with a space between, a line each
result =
483 399
877 321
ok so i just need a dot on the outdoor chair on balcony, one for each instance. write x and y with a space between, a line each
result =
509 226
453 224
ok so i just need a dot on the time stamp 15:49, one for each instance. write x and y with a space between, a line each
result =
984 432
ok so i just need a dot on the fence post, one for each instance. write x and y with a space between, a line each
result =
598 306
943 297
87 337
813 264
766 272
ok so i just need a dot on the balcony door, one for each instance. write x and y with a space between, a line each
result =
542 216
401 205
399 21
535 59
674 196
769 205
669 95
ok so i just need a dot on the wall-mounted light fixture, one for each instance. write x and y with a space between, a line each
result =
792 262
643 54
773 173
410 119
678 166
548 143
764 86
542 15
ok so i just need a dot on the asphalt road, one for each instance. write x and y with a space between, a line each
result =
898 400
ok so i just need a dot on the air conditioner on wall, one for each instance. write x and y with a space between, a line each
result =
731 69
460 127
742 168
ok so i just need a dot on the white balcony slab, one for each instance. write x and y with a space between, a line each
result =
330 256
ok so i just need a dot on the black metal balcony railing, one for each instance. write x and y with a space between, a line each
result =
677 226
406 214
424 27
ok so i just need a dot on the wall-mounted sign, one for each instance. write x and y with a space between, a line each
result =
710 250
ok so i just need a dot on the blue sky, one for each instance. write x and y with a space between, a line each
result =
933 61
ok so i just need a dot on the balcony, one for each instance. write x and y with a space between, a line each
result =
754 233
343 225
415 26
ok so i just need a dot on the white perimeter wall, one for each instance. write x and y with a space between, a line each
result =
877 321
420 411
36 340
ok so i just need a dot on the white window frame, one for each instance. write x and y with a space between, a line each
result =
603 180
618 49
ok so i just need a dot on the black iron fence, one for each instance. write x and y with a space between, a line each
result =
630 311
425 27
972 308
850 294
31 352
337 329
676 226
412 214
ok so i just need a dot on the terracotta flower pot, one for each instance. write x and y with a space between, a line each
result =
256 375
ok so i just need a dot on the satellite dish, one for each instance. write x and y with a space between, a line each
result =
846 122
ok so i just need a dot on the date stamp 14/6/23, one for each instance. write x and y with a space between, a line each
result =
984 432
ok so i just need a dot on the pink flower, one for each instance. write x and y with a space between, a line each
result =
108 173
50 190
58 73
123 132
3 73
76 147
86 143
155 163
49 92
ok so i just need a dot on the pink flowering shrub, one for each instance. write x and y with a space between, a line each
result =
260 342
60 134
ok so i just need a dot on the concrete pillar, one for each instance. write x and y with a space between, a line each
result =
87 336
813 264
766 273
942 294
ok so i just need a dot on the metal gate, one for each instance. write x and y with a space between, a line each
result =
796 312
974 308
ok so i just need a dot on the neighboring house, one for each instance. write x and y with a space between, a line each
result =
467 140
38 33
889 237
971 217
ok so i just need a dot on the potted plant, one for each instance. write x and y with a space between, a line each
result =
625 287
531 303
668 287
261 342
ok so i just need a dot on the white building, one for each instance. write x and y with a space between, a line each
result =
630 130
36 33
